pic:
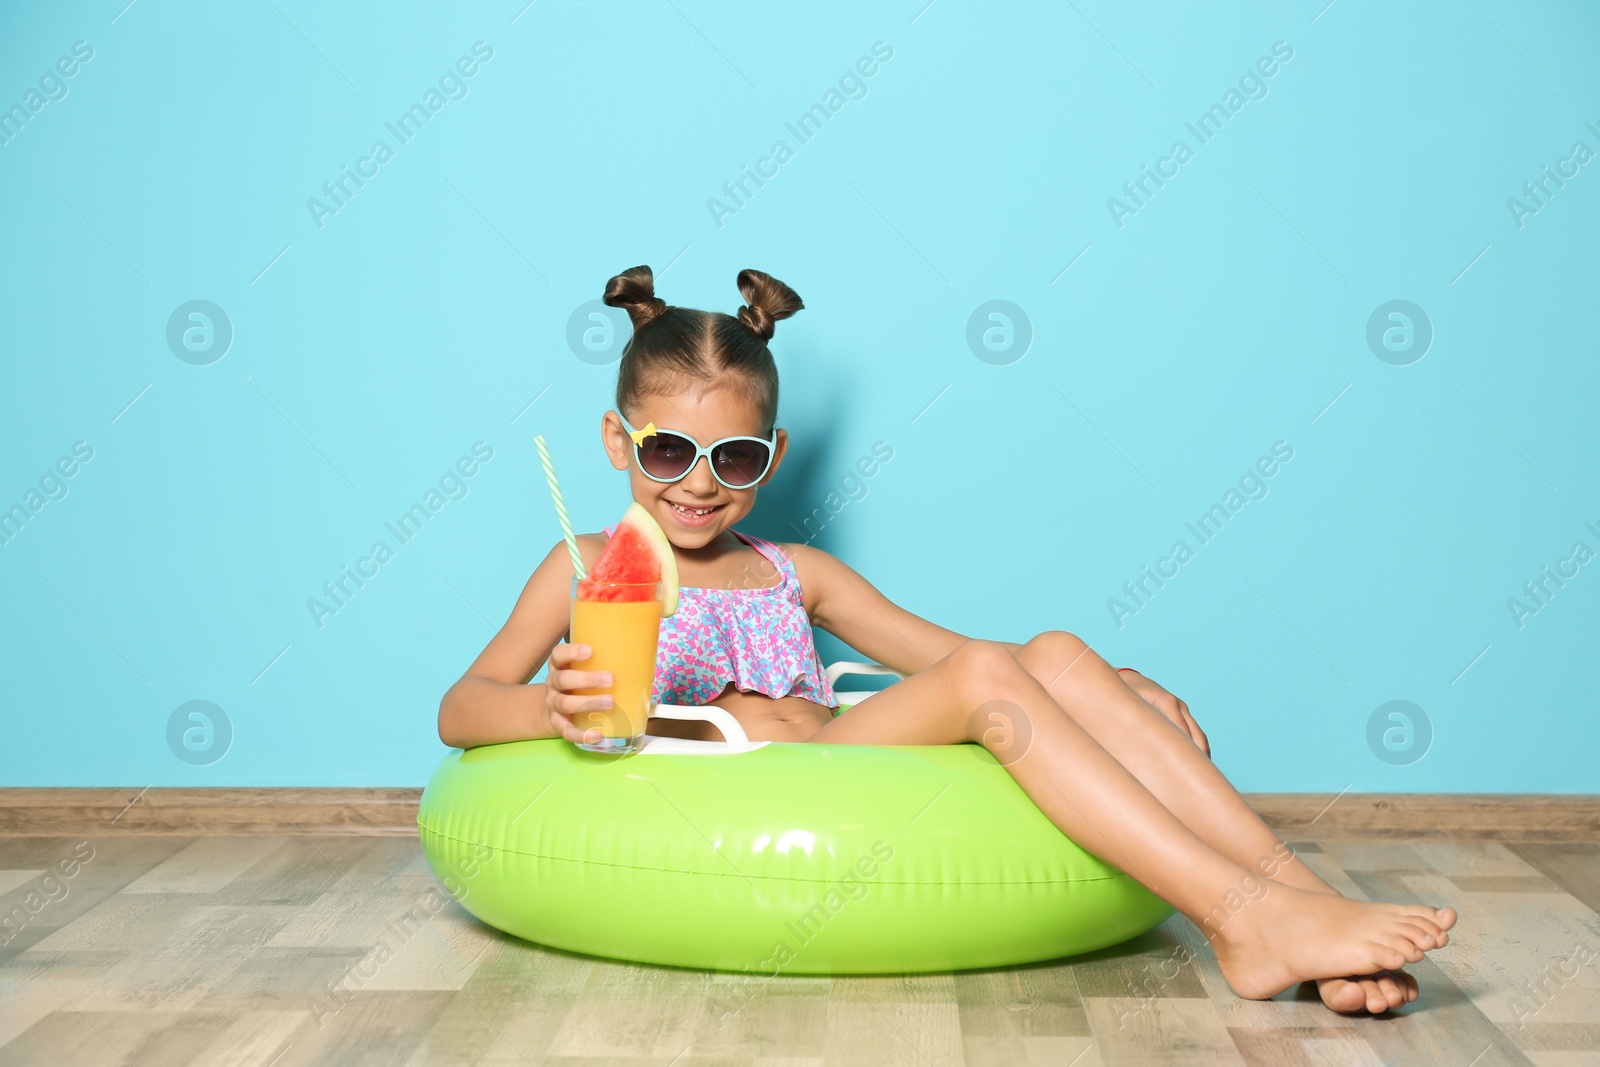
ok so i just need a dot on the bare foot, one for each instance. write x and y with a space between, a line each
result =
1375 993
1294 935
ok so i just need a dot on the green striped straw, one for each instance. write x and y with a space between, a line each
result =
561 509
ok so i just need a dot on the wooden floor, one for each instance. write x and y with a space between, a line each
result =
287 950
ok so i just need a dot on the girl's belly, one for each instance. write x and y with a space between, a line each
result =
764 718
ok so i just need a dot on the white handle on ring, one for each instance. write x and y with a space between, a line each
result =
835 671
732 732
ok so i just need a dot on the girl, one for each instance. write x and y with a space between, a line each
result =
1112 758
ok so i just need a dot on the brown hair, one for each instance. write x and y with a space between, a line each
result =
671 346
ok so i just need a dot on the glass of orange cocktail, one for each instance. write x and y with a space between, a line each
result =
620 622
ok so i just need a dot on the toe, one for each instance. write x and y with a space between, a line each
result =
1393 995
1391 955
1428 926
1443 918
1342 995
1419 934
1378 1001
1375 1001
1412 951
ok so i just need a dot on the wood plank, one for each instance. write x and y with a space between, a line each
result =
36 910
223 811
253 1039
297 871
1152 966
1032 1051
764 1015
1559 1037
284 979
31 988
1463 816
115 1038
1476 858
1575 868
1446 1030
204 866
510 1011
1447 1025
1041 1000
206 949
1303 1046
1181 1032
624 1012
372 1028
921 1031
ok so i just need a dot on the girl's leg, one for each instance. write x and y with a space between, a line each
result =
1166 762
1160 755
1264 943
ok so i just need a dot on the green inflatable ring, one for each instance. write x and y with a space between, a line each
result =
770 856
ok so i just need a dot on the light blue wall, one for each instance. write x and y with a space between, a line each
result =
1228 313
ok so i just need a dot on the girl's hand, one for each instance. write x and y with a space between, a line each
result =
1168 705
560 703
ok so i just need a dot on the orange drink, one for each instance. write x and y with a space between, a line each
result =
620 622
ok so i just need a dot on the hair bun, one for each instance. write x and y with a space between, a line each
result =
766 300
635 290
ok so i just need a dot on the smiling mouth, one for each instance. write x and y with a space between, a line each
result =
694 513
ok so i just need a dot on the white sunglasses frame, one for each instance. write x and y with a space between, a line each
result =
702 450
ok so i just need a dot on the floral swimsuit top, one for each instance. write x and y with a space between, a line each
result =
759 639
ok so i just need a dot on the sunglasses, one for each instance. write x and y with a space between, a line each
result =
669 455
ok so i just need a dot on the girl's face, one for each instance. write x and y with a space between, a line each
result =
706 416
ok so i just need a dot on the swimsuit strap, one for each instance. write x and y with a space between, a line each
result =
773 553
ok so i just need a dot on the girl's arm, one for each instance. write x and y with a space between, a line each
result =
850 608
846 605
493 702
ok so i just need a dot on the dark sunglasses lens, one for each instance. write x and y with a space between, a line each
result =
665 455
740 463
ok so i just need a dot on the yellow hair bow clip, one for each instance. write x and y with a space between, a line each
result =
639 435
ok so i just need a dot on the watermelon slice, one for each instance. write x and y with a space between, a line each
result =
637 552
